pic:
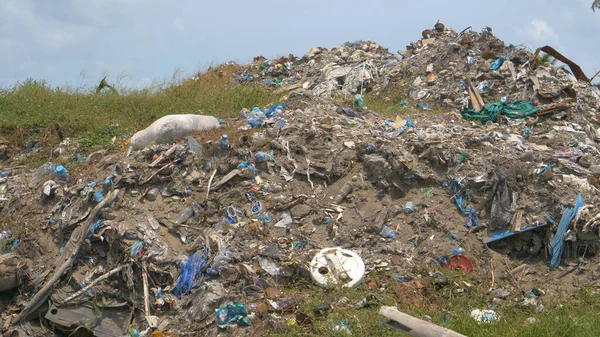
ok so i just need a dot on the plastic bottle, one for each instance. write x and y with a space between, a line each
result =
224 144
152 194
344 191
185 215
194 146
40 173
408 208
61 173
387 232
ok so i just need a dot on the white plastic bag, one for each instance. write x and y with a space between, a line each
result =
170 128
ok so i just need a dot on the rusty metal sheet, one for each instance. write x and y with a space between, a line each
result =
575 69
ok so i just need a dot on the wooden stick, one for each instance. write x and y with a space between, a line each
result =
94 282
164 155
492 269
67 258
210 182
414 326
146 293
152 320
157 171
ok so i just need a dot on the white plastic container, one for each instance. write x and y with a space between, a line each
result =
332 266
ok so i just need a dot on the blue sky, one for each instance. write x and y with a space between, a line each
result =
75 43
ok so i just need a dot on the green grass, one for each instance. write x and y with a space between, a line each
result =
32 110
446 306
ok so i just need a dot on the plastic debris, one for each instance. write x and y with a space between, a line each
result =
484 316
337 266
232 314
191 272
556 248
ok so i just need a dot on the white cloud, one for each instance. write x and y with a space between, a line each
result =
540 31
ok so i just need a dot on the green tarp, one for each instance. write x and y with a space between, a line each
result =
514 109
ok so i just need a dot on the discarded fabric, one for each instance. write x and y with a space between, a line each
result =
515 109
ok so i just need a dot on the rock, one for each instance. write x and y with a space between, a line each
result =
501 293
321 308
262 309
272 293
300 211
270 251
531 320
585 161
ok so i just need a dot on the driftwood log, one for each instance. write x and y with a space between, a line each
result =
414 326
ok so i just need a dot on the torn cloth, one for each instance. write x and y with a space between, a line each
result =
515 109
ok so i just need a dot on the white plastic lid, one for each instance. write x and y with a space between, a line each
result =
337 266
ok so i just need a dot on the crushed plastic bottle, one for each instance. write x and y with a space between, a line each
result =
387 232
185 215
194 146
225 257
40 173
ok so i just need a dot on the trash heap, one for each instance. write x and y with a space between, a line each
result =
351 69
208 233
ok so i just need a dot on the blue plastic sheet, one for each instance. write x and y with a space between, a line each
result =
498 63
94 227
473 219
191 272
272 110
557 246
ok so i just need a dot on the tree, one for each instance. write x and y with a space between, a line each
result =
596 4
546 59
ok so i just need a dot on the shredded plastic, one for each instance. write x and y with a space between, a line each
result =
191 272
473 219
94 227
557 246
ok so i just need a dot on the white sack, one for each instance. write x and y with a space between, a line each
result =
170 128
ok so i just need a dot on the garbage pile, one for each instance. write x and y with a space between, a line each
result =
353 68
208 233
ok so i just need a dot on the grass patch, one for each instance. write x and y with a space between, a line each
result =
94 119
448 305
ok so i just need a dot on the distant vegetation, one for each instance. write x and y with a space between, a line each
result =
33 112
